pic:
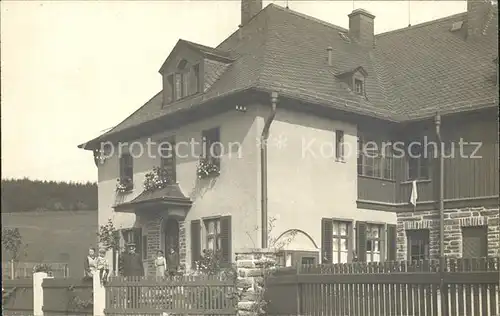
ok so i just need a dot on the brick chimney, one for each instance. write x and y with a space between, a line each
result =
249 8
477 12
361 27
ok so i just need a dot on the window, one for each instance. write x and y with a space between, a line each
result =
196 79
358 86
126 167
475 242
339 145
418 163
212 234
167 156
341 241
375 159
212 146
373 242
418 244
185 81
308 260
178 86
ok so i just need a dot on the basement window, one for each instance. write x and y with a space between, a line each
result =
358 86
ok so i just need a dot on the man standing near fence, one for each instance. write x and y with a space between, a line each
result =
132 267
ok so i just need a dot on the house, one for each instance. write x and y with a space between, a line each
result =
276 120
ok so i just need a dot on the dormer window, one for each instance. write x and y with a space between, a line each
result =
185 81
358 86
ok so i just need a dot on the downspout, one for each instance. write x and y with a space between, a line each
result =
263 168
437 121
442 261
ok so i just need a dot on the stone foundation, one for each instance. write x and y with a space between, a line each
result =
252 265
454 220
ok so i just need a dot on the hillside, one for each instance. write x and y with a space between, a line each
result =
54 236
25 195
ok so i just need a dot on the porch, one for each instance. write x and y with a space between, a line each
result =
159 225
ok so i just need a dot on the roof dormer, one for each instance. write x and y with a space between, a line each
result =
355 79
191 69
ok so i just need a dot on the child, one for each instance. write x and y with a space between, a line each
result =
103 266
160 264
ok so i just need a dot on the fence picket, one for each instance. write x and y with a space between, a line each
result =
392 288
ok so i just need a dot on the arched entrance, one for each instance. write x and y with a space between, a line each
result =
171 235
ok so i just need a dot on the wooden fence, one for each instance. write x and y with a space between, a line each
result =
450 287
22 270
186 295
71 296
17 297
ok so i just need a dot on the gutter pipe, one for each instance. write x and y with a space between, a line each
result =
263 168
442 261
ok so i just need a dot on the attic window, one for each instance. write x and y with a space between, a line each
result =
358 86
182 64
456 26
344 37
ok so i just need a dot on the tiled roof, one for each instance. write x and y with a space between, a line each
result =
411 72
171 193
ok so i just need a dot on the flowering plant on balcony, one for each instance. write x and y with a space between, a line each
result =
206 168
156 179
124 185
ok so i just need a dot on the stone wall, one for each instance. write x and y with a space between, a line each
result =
454 220
252 265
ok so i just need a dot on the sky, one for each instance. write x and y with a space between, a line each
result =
71 70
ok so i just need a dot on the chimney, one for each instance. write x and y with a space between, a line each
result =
249 8
477 11
361 27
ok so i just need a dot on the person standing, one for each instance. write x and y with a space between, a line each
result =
160 264
132 267
172 262
90 264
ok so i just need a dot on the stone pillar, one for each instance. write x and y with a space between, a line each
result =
182 243
153 227
38 278
252 265
99 295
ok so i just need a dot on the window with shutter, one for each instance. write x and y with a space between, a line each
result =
475 242
341 241
361 241
126 167
374 242
225 239
195 242
326 240
167 157
391 242
212 145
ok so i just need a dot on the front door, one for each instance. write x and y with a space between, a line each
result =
171 230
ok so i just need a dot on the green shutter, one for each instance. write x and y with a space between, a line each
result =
195 242
391 242
361 241
326 240
225 239
137 233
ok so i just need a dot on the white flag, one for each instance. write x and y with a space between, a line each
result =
414 193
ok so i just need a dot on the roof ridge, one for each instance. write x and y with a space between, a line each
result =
308 17
416 26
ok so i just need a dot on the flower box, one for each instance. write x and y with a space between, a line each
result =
124 185
207 168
